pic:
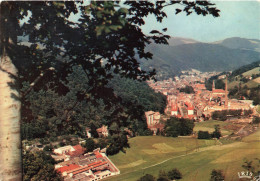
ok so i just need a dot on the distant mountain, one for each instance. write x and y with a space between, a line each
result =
185 54
240 43
174 41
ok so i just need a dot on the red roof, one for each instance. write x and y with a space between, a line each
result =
174 108
79 150
218 91
83 169
98 155
200 86
67 168
189 105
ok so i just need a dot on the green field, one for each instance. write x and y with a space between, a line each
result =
210 126
251 72
258 109
251 84
194 158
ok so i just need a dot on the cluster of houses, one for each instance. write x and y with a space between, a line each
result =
78 166
198 106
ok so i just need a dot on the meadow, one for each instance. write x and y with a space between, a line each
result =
194 158
251 84
210 126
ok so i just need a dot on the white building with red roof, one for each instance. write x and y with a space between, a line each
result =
92 166
174 110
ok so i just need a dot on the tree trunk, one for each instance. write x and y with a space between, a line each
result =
10 141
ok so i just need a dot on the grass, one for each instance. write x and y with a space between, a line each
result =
194 164
210 126
148 150
251 72
258 109
251 84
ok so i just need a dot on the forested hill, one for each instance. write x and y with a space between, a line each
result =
49 113
138 93
170 59
245 68
241 43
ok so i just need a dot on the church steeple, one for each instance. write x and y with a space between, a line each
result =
213 85
226 94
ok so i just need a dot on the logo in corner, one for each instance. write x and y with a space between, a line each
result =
244 174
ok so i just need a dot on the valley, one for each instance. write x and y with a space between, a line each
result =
196 160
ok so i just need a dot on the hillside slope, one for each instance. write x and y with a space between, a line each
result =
241 43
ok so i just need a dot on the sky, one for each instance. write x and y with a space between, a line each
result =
237 19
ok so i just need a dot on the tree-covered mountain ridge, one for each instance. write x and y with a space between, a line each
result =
184 54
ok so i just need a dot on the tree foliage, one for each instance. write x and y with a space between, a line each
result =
216 133
204 135
244 92
100 46
217 175
178 127
244 69
256 120
187 89
147 177
39 166
107 39
174 174
224 114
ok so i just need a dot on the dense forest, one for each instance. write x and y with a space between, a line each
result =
61 110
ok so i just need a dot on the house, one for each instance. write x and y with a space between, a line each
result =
190 108
78 150
103 131
69 150
88 132
200 86
152 118
63 150
174 110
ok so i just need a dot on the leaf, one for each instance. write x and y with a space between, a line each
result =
154 32
115 27
178 11
123 10
99 30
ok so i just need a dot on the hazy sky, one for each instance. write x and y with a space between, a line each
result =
237 19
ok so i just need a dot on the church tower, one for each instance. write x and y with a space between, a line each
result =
213 85
226 94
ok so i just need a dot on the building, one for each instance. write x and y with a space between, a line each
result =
152 118
153 121
92 166
103 131
88 132
174 110
63 150
70 151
